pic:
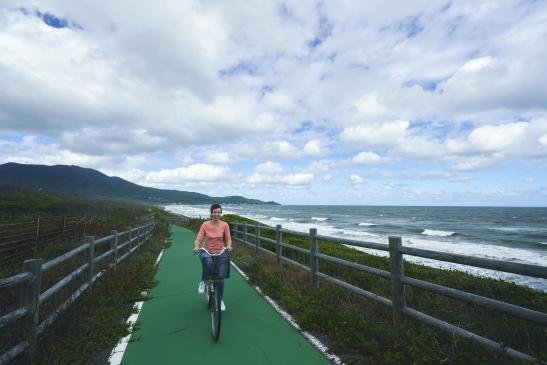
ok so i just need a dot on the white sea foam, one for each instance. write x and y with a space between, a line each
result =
192 211
257 216
366 224
431 232
320 219
275 219
351 232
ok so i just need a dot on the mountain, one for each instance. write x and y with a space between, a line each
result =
92 183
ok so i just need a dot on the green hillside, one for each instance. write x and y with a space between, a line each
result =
87 182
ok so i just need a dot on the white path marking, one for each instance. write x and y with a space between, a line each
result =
311 338
117 352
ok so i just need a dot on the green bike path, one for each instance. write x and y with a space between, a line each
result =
174 325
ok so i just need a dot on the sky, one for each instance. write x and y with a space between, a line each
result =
300 102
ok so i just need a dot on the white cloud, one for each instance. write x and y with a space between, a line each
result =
218 158
385 134
490 138
366 158
477 162
356 179
279 149
327 177
272 173
295 179
269 167
421 148
30 151
321 166
314 148
298 178
197 172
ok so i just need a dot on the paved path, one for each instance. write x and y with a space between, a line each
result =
174 325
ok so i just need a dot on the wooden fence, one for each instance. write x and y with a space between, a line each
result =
398 279
31 281
19 239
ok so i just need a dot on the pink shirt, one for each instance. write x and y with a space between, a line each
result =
214 235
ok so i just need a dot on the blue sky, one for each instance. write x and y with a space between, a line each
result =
301 102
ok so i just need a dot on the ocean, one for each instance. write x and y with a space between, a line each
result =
509 234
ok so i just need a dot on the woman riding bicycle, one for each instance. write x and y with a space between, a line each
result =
215 232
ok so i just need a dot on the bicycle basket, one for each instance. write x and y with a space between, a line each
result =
220 268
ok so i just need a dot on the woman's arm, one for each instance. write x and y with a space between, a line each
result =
227 236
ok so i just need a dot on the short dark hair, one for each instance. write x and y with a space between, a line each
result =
215 206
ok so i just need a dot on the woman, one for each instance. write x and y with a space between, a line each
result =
215 232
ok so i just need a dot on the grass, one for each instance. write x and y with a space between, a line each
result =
361 331
86 331
92 326
17 205
20 204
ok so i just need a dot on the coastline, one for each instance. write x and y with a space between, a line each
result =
468 249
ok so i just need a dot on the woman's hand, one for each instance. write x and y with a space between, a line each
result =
229 248
195 250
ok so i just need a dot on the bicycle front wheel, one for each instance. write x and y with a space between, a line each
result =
215 315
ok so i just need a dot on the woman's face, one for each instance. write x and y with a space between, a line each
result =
216 214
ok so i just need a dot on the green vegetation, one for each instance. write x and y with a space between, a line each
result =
20 204
360 331
91 326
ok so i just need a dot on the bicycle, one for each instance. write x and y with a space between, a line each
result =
219 270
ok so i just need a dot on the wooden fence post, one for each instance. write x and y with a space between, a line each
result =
114 246
31 300
90 257
235 231
314 261
257 238
130 239
37 234
278 249
245 237
398 300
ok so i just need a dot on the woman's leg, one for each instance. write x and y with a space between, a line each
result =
206 264
221 288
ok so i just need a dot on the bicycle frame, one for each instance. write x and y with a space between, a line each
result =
214 300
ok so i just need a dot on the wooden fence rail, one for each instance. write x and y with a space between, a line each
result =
32 296
398 279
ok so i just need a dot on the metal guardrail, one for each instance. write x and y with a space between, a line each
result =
399 280
32 297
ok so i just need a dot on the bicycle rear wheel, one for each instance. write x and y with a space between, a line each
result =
215 314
